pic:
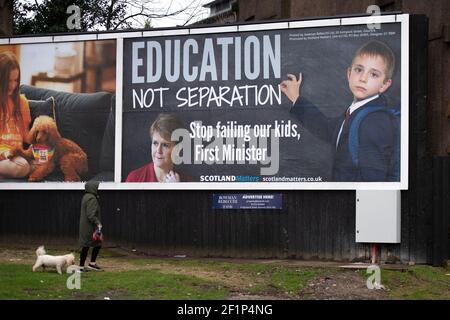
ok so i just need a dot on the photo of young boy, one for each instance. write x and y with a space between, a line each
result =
369 152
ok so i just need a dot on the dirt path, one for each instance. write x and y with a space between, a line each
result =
341 285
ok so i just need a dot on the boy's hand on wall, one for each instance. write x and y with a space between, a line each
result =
291 87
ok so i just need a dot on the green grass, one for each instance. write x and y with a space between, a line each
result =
294 281
155 281
278 279
416 283
18 282
185 279
269 278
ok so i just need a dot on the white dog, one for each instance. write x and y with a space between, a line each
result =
46 260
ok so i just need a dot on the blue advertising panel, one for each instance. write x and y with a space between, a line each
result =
247 201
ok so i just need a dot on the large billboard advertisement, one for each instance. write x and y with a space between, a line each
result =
55 108
319 104
292 106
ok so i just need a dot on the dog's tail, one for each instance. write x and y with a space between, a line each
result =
40 251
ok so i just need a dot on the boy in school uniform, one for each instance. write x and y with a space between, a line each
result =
369 76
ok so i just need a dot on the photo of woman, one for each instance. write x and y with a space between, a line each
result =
14 118
161 168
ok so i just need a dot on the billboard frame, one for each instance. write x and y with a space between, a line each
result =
403 19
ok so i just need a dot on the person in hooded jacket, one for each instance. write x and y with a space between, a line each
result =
89 223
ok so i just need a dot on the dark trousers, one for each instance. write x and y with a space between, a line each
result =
84 253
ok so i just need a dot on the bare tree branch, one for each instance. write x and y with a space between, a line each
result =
41 16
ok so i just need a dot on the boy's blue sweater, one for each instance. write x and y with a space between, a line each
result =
376 140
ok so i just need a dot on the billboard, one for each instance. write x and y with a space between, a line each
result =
55 110
318 104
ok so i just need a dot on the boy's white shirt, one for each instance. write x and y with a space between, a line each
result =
353 107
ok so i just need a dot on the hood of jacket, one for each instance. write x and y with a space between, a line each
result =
91 187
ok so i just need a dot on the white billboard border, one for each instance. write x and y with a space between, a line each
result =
118 115
403 19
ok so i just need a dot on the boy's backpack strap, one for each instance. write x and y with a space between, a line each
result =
353 135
